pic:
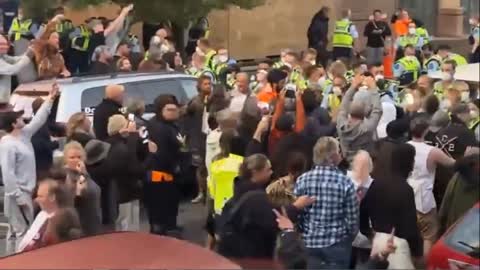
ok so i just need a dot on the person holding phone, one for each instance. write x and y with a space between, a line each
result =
376 31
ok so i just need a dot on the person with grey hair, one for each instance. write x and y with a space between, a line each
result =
359 116
101 61
331 223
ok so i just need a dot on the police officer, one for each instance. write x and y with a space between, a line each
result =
474 39
448 72
200 68
407 69
445 51
432 62
422 32
388 89
283 59
344 36
411 38
22 27
79 48
204 49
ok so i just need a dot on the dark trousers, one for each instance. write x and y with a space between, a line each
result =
162 200
475 57
322 54
336 256
340 52
79 62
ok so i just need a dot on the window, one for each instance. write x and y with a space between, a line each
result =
152 89
464 237
190 87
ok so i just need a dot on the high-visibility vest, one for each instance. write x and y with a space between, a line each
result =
85 34
459 60
231 81
193 71
334 102
209 59
222 176
64 27
208 72
474 124
349 75
20 28
411 69
341 36
437 58
439 90
220 68
328 82
409 40
423 33
278 65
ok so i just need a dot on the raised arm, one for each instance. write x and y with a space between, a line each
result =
371 122
12 69
342 115
300 113
42 115
116 25
279 107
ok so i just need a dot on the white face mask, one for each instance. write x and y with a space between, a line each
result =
446 76
446 104
472 22
363 88
288 65
465 96
412 31
337 91
379 77
474 114
199 52
222 58
313 62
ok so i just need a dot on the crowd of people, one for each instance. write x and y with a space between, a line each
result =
315 163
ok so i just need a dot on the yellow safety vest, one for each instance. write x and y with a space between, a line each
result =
209 59
435 58
411 68
220 67
423 33
349 75
85 34
328 82
460 60
20 28
334 102
64 27
474 124
341 36
439 90
193 71
278 65
409 40
222 175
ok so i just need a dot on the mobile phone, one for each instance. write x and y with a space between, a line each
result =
290 90
131 117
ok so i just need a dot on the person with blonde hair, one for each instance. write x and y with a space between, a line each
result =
85 191
79 128
124 65
126 171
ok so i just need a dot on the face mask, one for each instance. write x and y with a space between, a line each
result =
379 77
474 114
465 96
288 65
199 52
313 62
223 58
446 104
412 31
363 88
337 91
409 99
472 22
446 76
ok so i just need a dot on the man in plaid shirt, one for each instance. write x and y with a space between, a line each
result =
331 223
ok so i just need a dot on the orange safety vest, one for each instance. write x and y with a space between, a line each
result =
388 63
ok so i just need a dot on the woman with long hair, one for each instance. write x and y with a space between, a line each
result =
79 128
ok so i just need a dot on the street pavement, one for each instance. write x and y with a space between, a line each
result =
191 217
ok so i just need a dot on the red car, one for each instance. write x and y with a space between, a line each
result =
459 248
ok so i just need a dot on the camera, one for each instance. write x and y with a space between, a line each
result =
290 90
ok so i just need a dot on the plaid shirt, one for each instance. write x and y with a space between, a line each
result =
334 216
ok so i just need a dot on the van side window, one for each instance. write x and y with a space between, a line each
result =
152 89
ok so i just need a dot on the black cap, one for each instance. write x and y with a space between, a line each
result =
276 75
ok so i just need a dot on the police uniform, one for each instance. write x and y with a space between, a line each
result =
79 53
343 38
433 64
423 33
20 29
475 36
459 60
209 59
405 40
439 90
278 65
407 70
296 78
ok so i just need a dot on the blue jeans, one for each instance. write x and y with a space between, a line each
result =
336 256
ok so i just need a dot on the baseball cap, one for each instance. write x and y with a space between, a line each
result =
440 119
276 75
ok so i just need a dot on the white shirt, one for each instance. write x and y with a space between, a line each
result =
34 229
422 179
238 101
361 241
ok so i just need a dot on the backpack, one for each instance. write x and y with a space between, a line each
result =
231 239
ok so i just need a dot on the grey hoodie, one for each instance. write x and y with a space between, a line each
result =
10 66
358 136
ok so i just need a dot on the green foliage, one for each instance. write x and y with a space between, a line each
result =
178 11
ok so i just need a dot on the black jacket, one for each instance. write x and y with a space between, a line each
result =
318 30
81 137
255 226
164 134
191 126
396 210
43 148
126 169
103 112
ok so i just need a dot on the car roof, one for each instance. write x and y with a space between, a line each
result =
45 85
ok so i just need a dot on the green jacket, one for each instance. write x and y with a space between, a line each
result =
458 199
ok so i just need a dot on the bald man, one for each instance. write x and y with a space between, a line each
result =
111 105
